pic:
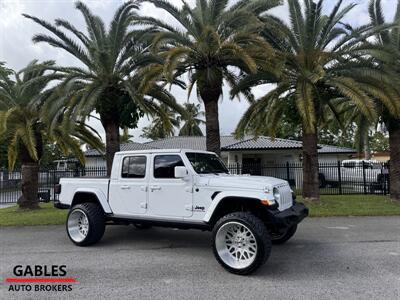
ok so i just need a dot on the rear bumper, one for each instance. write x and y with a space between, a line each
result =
289 217
58 204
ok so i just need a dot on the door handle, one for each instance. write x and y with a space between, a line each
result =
155 188
125 187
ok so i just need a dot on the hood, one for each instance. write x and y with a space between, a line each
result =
242 181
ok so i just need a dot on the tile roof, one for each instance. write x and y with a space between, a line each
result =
262 143
124 147
189 142
228 143
335 149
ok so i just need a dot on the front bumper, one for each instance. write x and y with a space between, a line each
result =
289 217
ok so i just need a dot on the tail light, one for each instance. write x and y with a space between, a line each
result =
57 189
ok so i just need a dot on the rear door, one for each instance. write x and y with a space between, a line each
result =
128 194
169 196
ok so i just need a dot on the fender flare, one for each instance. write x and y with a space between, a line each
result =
98 194
250 195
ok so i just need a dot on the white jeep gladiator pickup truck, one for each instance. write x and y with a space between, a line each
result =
185 189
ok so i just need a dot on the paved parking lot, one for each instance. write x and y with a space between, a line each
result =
332 258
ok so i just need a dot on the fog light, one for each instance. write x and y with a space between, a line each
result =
57 189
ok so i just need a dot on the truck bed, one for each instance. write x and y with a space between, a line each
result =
81 184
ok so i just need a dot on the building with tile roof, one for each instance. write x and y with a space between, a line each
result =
247 150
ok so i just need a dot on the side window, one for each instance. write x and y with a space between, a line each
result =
134 167
349 165
164 165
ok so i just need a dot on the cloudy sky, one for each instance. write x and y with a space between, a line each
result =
17 50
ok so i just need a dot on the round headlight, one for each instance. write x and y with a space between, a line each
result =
276 193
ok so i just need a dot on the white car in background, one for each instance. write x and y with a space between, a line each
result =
358 172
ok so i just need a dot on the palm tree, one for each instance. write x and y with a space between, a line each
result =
23 128
163 124
4 71
125 136
324 61
213 40
362 135
192 119
391 40
109 80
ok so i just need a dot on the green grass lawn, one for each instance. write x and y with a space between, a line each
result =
46 215
353 205
349 205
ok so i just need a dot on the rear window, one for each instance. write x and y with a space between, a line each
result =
349 164
134 167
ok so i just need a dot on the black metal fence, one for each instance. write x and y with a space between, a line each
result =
338 178
10 182
335 178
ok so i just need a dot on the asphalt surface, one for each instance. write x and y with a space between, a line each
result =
332 258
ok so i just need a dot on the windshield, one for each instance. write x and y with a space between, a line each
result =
204 163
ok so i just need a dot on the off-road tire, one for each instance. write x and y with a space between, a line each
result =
96 219
284 238
257 228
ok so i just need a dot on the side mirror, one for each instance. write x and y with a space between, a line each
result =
180 172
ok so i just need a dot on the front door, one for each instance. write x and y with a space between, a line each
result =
169 196
128 194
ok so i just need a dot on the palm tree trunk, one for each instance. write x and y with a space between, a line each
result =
111 128
210 92
394 142
367 148
29 186
213 139
310 167
30 175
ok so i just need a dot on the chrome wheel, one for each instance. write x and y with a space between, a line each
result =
78 225
236 245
